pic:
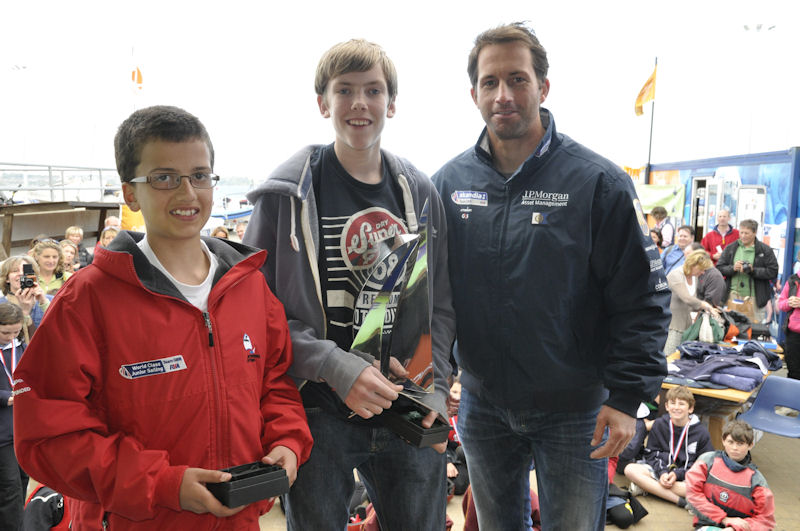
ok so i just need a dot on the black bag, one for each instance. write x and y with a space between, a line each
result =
624 514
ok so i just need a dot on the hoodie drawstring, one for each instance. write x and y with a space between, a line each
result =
293 228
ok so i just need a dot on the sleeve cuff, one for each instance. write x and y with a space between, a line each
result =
627 403
342 370
168 487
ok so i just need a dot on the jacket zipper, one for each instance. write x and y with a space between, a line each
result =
207 319
217 405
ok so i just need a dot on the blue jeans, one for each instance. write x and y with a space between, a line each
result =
407 485
500 446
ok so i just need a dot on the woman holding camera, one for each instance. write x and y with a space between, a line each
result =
749 266
22 289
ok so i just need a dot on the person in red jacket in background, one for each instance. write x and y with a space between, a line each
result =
177 365
720 236
725 489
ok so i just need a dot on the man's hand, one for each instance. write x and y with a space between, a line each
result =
284 458
427 422
452 471
621 428
371 393
195 497
738 266
793 301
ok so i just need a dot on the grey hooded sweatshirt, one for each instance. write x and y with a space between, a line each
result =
285 223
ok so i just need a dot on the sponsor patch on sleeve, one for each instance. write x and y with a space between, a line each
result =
153 367
637 206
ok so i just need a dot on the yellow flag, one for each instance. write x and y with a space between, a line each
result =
647 93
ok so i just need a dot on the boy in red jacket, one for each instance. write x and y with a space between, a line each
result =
177 365
726 490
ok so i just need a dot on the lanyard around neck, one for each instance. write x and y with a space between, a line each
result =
10 374
674 451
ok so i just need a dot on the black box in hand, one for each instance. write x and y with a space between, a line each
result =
406 422
250 482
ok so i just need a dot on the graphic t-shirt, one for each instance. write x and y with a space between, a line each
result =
358 224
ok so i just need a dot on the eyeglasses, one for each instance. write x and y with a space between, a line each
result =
170 181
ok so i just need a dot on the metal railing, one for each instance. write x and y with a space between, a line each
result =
45 182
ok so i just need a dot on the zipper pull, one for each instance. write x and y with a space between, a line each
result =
208 325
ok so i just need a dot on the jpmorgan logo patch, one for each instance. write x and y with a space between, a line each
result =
153 367
546 199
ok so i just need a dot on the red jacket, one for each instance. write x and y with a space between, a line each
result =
716 491
125 385
714 238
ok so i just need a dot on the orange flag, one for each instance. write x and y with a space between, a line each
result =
136 77
647 93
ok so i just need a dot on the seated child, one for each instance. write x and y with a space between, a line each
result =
675 441
724 488
177 365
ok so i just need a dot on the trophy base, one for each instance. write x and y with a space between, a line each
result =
250 482
405 421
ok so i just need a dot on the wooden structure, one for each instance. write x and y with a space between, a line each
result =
16 213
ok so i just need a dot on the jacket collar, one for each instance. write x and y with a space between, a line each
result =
124 252
549 141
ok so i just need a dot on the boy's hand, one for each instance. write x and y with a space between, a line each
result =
396 368
667 480
284 458
195 497
736 523
371 393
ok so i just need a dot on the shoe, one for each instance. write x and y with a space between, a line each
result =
636 490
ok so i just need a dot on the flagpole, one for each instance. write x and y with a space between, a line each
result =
650 144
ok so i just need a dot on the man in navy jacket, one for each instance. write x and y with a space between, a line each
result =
560 296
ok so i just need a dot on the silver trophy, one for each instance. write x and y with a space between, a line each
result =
403 266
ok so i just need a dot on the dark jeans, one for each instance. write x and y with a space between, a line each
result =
406 485
500 445
13 484
792 354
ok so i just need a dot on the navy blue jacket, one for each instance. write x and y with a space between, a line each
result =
560 295
6 411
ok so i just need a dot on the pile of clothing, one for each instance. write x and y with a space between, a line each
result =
715 366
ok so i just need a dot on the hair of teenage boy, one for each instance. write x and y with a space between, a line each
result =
681 393
160 122
740 431
355 55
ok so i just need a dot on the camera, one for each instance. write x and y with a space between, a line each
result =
28 279
747 267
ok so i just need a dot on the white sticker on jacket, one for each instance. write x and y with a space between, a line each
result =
153 367
470 197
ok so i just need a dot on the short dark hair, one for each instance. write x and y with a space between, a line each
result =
749 224
10 314
688 228
159 122
739 430
514 32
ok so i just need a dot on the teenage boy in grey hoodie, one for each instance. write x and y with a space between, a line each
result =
321 216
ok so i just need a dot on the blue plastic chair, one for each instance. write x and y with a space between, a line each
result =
775 391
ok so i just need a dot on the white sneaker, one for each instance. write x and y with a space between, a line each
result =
636 490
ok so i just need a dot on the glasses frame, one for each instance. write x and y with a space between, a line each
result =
148 179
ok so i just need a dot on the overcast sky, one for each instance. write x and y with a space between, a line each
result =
247 68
